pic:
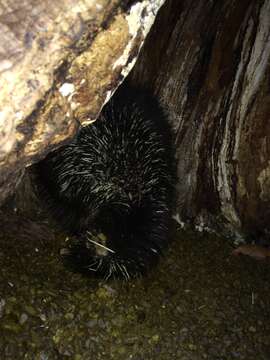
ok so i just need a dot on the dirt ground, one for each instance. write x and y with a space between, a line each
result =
199 303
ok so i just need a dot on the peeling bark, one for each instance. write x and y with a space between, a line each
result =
209 63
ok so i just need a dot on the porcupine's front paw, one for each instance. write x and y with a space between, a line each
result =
75 255
85 254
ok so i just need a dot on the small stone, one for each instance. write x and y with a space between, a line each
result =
23 318
56 338
69 316
30 309
43 356
121 350
155 338
92 323
2 305
42 317
192 347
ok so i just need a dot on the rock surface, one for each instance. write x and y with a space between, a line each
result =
59 63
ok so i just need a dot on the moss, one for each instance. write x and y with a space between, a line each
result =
198 303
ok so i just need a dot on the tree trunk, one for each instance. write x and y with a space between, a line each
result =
209 63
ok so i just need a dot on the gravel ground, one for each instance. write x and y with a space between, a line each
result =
199 303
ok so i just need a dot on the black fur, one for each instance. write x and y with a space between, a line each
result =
115 178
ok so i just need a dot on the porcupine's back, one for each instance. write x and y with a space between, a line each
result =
114 172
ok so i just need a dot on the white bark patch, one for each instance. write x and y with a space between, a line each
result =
260 57
176 217
224 177
264 181
224 181
254 65
137 21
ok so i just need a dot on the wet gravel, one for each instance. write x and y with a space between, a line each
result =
199 303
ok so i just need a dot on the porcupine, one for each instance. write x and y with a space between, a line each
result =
116 177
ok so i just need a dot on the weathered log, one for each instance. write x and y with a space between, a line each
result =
59 63
209 63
